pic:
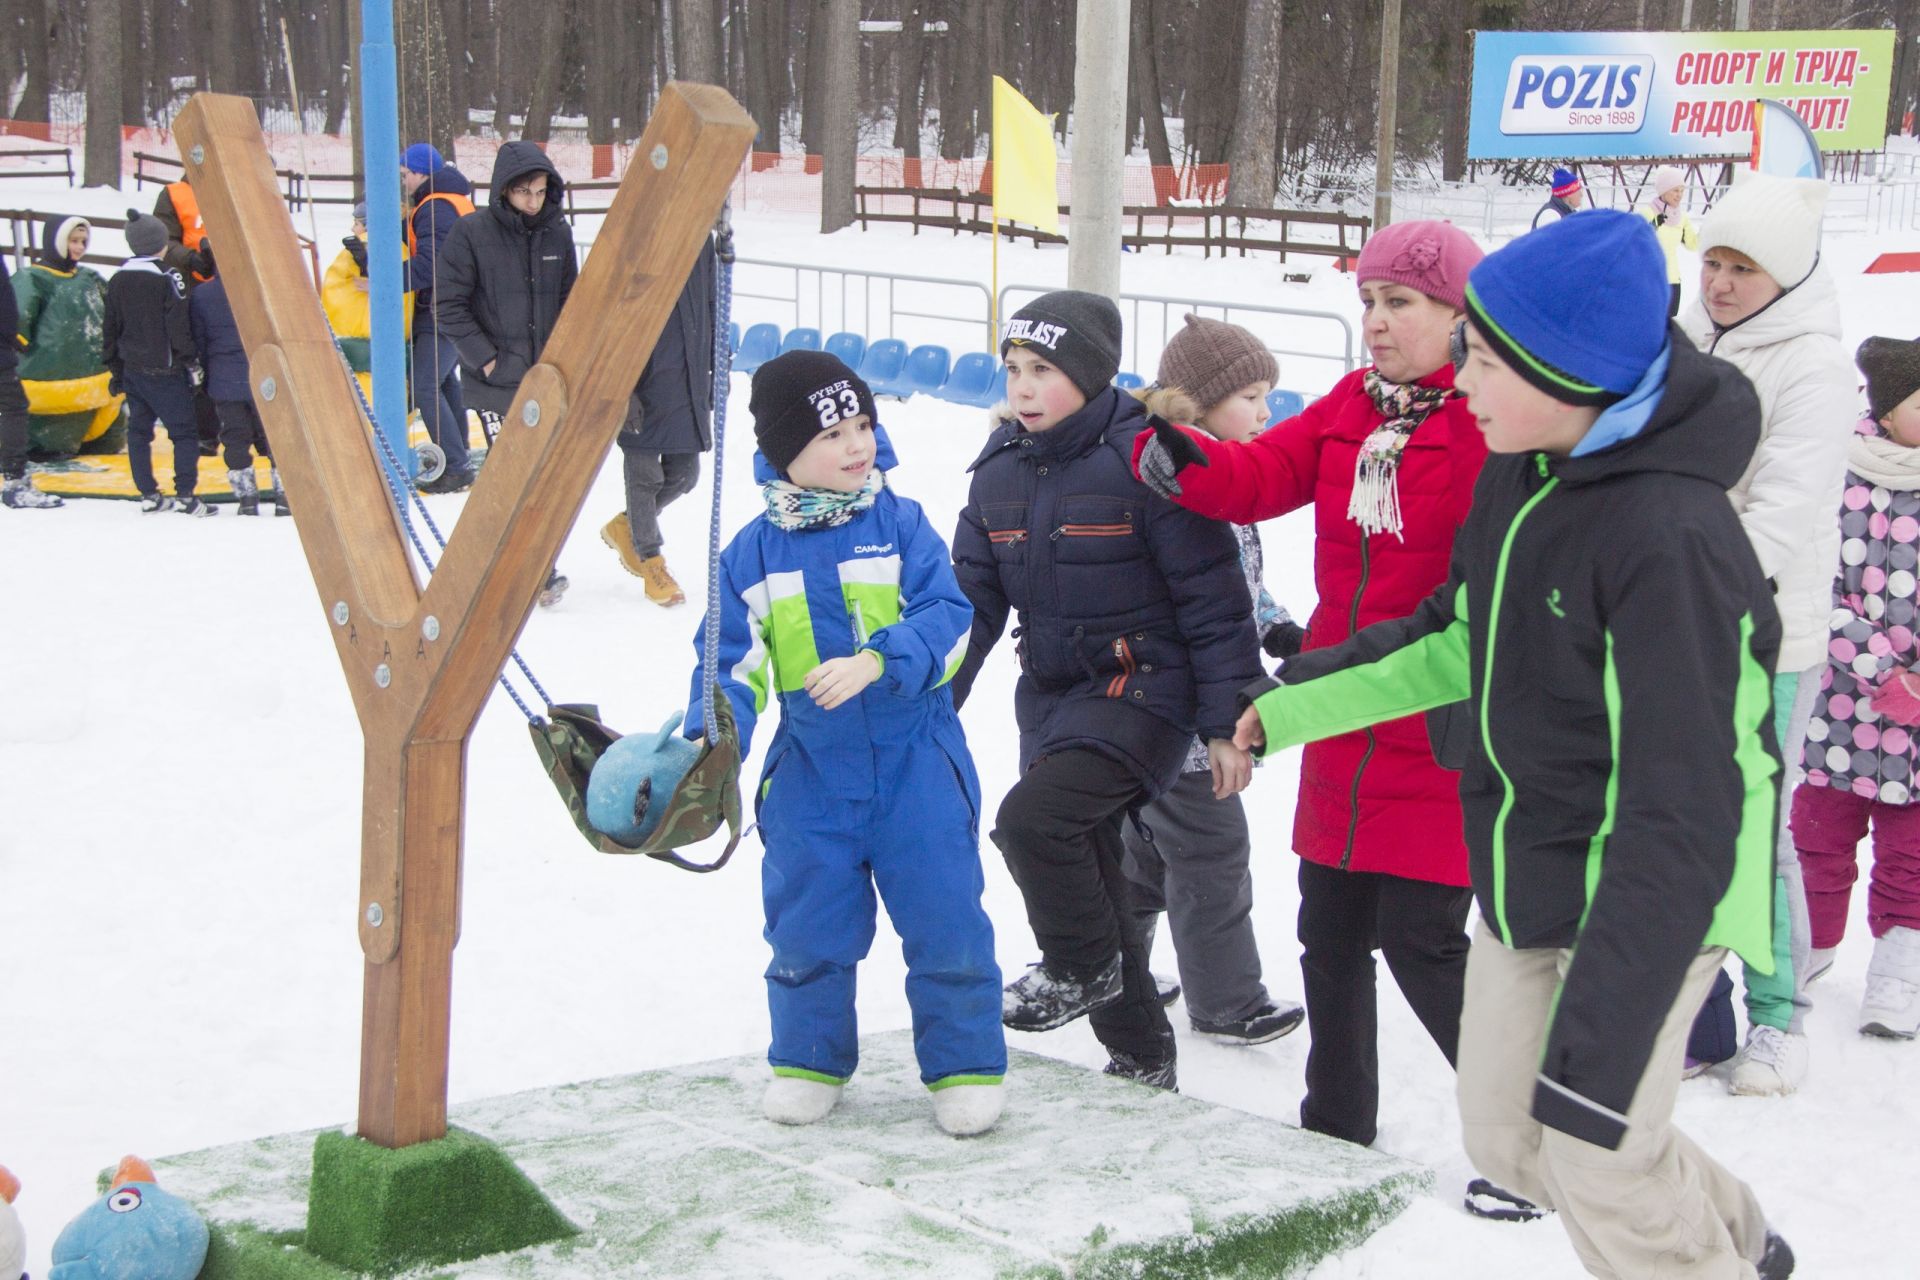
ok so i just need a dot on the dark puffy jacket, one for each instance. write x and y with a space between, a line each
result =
147 328
216 336
1135 626
432 221
675 395
503 279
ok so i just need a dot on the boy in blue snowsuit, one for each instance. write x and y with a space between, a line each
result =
840 599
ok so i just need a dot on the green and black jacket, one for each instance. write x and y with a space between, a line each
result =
1611 633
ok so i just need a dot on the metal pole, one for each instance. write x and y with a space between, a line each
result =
1742 15
1389 110
1099 145
379 107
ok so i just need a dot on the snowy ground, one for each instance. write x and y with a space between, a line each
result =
179 767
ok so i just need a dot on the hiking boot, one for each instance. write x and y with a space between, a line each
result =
661 588
618 534
1892 1006
1166 989
1269 1022
246 489
280 507
20 494
556 587
152 502
449 481
1162 1074
800 1099
1777 1262
1769 1064
188 505
1497 1204
1049 995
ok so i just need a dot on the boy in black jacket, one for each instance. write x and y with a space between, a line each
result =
1135 631
150 355
1612 635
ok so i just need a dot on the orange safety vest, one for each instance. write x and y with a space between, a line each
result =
193 231
461 205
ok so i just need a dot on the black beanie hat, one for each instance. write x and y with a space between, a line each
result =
798 395
1079 332
1893 373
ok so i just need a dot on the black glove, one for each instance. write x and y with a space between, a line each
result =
1284 640
1660 220
206 267
114 386
357 249
1166 455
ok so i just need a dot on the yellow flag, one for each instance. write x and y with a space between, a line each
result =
1024 163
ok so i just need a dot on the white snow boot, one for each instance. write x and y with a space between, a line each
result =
1892 1006
1772 1062
1819 962
21 495
800 1100
966 1109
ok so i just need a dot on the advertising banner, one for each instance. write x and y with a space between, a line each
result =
1599 95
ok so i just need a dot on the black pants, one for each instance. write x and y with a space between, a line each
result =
1420 929
241 435
168 399
207 420
1673 303
1060 831
13 425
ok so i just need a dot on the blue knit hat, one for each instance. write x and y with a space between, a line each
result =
421 157
1588 343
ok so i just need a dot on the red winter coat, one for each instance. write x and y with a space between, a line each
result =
1372 800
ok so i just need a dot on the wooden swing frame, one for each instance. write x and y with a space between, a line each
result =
421 660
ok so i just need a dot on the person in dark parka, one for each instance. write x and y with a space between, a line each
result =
216 336
16 490
669 425
438 196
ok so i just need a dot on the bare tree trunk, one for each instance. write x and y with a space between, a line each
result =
638 36
605 70
908 116
766 51
696 39
354 114
813 91
1250 177
547 69
339 58
35 103
505 67
426 113
838 43
134 54
102 165
459 81
967 23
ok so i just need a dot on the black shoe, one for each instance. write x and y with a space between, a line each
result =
1484 1200
449 481
1777 1262
1158 1075
556 587
152 502
1048 996
192 506
209 448
1269 1022
1167 989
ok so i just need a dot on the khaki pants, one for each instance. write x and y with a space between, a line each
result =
1657 1207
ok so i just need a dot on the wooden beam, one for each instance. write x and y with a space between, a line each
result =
420 662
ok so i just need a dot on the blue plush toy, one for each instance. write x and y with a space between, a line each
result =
134 1232
631 774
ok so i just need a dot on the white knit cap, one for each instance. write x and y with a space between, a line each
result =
1667 177
1775 221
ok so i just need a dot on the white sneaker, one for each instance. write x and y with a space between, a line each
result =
966 1109
1819 963
1771 1062
1892 1006
798 1100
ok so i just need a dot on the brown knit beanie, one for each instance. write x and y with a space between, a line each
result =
1211 359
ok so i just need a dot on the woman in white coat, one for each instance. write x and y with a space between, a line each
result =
1768 304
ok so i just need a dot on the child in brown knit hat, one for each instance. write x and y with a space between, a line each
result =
1215 376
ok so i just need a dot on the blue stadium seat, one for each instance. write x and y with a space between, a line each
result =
978 378
850 347
733 337
882 365
1282 405
926 371
800 340
1129 381
758 345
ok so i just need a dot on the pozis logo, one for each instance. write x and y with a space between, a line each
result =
1576 94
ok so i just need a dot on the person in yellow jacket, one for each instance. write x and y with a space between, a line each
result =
349 308
1671 225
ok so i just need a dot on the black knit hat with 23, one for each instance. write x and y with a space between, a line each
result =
799 394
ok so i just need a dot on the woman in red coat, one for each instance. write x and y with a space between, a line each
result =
1388 459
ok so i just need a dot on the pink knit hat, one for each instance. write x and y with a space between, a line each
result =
1433 257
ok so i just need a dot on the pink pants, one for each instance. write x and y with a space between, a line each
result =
1828 826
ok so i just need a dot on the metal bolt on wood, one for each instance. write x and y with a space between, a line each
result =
430 627
383 675
268 388
198 154
340 614
530 413
375 915
659 157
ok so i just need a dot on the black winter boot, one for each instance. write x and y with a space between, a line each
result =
1777 1262
1159 1075
1049 995
280 507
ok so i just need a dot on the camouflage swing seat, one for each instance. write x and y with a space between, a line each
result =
571 741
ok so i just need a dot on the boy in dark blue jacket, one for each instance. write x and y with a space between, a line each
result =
216 336
1135 632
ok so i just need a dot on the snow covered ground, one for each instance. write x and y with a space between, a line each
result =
180 785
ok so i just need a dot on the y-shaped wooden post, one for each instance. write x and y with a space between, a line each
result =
420 664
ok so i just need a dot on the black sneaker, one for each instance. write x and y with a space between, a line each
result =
1167 989
449 481
1048 996
1269 1022
1157 1075
1497 1204
152 502
192 506
1777 1262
